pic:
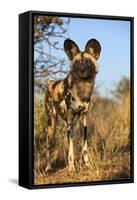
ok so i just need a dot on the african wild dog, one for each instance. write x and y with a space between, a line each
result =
71 97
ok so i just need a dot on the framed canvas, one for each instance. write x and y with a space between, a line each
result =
76 99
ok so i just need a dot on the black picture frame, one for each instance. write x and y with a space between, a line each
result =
26 98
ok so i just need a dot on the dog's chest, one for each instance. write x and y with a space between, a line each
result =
73 102
73 96
77 105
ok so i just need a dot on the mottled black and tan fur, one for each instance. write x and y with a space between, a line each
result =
70 98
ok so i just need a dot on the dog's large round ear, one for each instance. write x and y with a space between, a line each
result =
93 47
71 48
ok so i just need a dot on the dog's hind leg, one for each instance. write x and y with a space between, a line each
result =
50 129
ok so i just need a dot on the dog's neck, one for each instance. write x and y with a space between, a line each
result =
82 88
73 80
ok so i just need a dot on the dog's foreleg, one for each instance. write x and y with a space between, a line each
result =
85 150
71 151
48 168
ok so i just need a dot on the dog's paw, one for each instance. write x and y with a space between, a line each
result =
48 169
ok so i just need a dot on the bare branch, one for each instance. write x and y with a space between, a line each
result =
46 65
46 73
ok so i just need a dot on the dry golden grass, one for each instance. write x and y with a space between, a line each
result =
108 144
